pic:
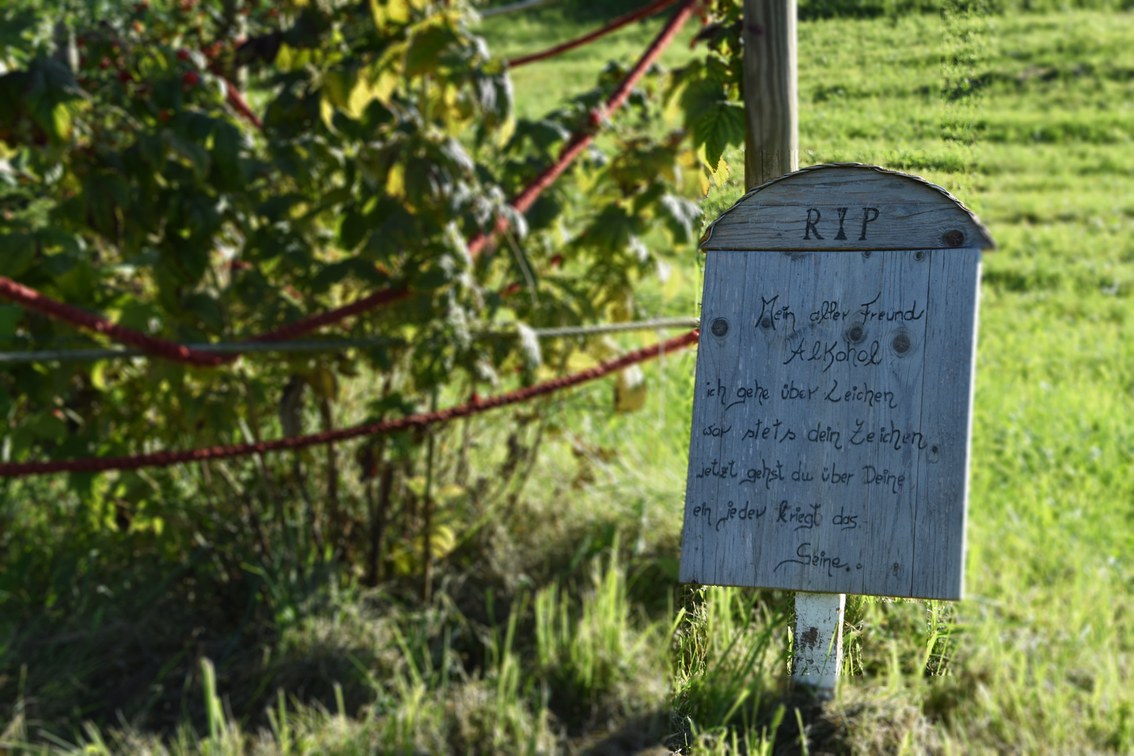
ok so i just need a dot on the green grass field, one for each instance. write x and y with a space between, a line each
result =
558 624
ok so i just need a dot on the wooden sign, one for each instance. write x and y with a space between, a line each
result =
830 439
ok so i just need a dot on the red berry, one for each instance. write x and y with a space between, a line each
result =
104 63
556 261
190 79
183 54
125 77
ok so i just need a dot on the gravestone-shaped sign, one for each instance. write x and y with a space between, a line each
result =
831 419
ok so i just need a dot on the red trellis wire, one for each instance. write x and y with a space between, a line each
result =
618 23
170 458
522 202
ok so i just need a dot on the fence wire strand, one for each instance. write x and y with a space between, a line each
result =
81 354
423 420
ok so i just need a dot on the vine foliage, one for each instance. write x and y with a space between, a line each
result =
208 170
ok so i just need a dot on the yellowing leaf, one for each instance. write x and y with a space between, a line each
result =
396 181
442 541
324 383
416 485
604 349
580 360
402 560
715 172
98 376
327 112
360 96
449 494
61 120
336 87
383 86
620 311
630 389
386 12
505 132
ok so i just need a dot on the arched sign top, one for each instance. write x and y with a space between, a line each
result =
846 206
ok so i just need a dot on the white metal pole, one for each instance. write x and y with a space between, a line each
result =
817 653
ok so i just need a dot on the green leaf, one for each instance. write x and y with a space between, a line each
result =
494 97
206 311
10 317
194 154
392 226
718 127
545 211
426 182
353 229
611 230
426 46
543 134
17 251
138 315
226 155
337 85
701 91
151 147
680 216
77 283
343 270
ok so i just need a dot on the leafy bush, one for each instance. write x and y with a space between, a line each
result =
137 181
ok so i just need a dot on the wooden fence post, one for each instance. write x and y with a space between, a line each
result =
770 90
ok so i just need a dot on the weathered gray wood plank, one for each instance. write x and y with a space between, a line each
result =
828 448
846 207
830 443
952 353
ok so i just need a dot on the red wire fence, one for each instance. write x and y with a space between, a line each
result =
522 202
643 12
35 301
423 420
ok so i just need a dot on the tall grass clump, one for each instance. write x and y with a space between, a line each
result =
600 660
730 663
